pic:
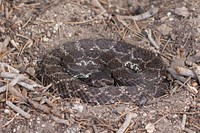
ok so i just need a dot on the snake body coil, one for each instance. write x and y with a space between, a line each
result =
103 71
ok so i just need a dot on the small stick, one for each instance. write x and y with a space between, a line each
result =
17 93
189 130
4 44
23 36
175 75
143 16
94 129
98 4
188 87
27 22
11 84
14 44
10 120
149 34
38 106
62 121
28 44
25 82
12 69
196 70
18 110
185 72
126 123
183 121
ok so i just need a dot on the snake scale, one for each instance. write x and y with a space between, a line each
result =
103 71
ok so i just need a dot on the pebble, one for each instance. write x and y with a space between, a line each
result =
7 111
43 125
48 34
78 107
135 115
145 114
30 70
45 39
88 131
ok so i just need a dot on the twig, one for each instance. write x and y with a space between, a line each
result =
165 45
14 44
183 121
143 16
10 68
11 84
149 34
38 106
23 36
98 4
127 26
44 21
27 22
188 87
18 110
196 126
196 70
25 82
62 121
189 130
10 120
17 93
126 123
28 44
4 44
175 75
94 129
185 72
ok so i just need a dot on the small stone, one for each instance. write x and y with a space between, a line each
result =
120 109
88 131
169 13
164 29
171 19
48 34
152 111
7 111
43 125
134 115
14 130
42 30
26 60
2 29
45 39
78 107
30 70
183 11
145 114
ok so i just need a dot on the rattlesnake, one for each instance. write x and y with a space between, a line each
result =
104 71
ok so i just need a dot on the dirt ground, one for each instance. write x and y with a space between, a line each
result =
29 29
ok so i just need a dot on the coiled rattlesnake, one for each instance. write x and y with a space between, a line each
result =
103 71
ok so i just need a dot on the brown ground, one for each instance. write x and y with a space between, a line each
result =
45 23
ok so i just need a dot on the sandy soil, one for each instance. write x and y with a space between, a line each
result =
38 26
